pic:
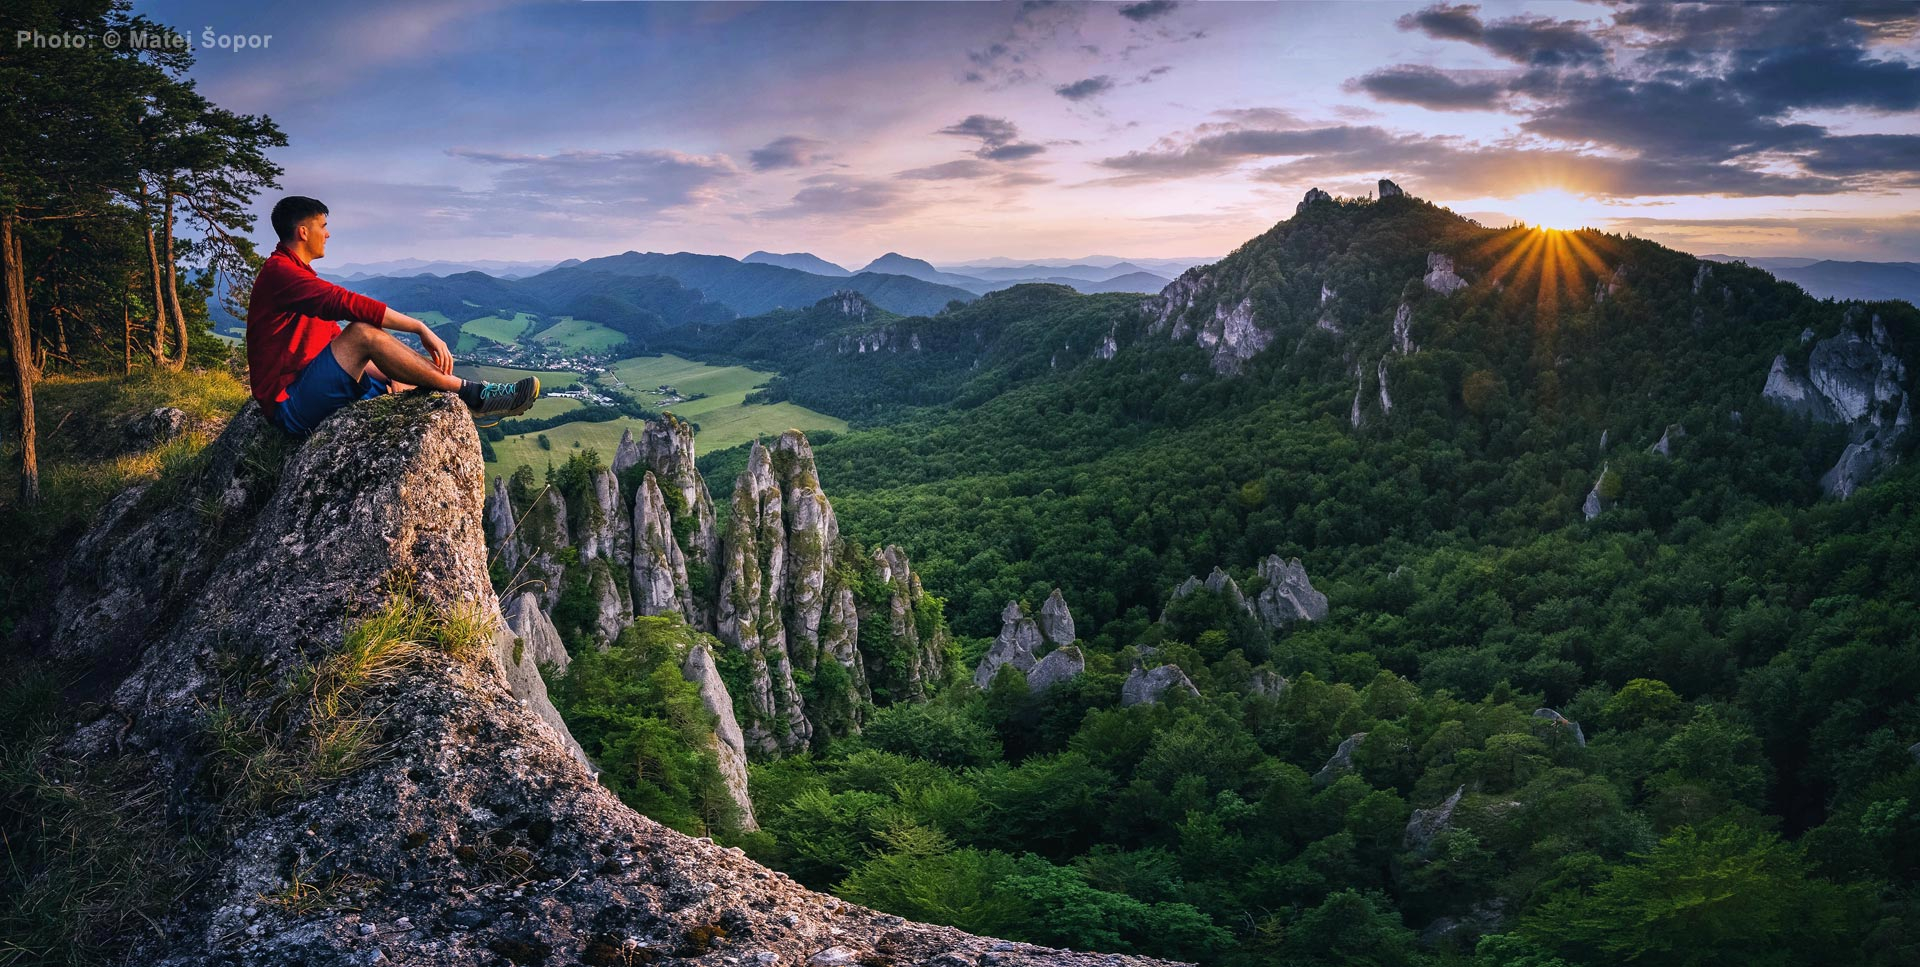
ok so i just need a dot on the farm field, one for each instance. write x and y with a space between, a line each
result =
724 420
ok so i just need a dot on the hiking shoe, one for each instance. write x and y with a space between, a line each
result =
501 400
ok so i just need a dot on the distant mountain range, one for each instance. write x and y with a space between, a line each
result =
1120 277
804 261
1828 279
404 267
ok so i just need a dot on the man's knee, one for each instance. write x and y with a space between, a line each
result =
360 332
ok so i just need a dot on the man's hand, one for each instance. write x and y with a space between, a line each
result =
437 350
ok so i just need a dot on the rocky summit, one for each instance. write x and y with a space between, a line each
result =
241 616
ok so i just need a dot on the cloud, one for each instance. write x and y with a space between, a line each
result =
1522 39
1429 88
829 196
1444 166
791 151
1082 89
1666 91
1038 27
992 130
625 182
1147 10
997 138
1153 74
949 171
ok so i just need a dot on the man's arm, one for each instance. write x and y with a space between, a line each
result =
311 295
436 347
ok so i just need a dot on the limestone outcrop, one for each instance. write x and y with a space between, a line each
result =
1288 596
1060 665
778 585
729 744
1056 620
487 839
1016 645
1425 824
1146 686
1341 761
1857 380
1441 277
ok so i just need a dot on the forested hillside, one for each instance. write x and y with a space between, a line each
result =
1538 473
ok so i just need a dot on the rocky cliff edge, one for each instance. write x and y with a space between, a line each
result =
364 797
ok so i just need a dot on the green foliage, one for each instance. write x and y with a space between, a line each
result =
1731 893
633 712
934 733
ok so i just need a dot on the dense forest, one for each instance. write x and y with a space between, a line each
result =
1674 732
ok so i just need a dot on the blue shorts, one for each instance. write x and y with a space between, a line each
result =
316 391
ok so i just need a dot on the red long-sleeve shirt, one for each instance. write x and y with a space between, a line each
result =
290 320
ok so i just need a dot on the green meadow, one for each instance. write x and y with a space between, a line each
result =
581 334
724 419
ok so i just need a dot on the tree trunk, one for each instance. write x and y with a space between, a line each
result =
159 348
20 346
178 360
126 334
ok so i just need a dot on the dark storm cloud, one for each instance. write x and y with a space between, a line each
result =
791 151
1859 154
1430 88
1143 12
1829 77
1671 89
1082 89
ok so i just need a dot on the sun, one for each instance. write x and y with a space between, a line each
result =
1555 209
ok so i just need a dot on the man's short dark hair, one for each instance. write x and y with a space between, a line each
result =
290 211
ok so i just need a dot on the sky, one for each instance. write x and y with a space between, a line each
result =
544 130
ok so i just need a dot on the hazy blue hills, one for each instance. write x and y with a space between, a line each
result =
1829 279
804 261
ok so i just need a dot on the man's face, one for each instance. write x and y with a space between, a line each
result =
316 233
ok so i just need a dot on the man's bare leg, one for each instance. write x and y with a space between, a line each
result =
393 385
360 344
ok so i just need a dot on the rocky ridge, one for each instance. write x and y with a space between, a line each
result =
471 834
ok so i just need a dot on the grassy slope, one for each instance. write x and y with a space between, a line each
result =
583 334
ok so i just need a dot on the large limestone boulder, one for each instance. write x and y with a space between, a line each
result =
1441 277
1289 596
1019 639
1145 686
1056 620
1060 665
205 598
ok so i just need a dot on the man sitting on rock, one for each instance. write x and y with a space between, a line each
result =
304 366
